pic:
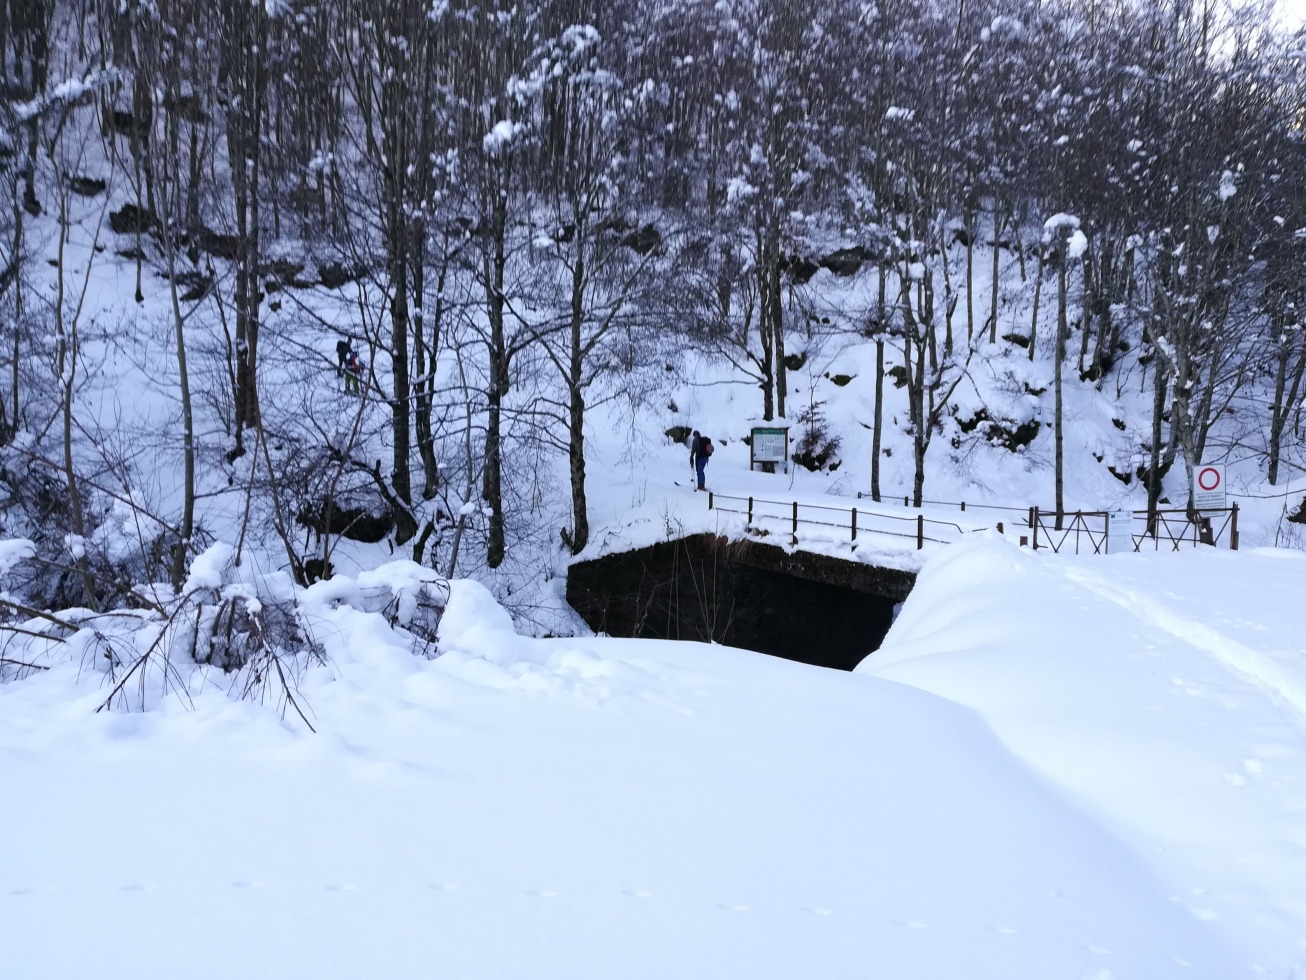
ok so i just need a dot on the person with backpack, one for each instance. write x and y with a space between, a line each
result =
343 349
353 373
700 448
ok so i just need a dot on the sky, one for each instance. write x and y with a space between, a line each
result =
1054 767
1292 13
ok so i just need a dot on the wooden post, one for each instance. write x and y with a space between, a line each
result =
750 511
1033 524
1233 528
920 531
963 505
1000 531
854 523
795 522
709 500
1024 540
1206 532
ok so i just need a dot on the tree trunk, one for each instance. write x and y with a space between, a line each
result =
243 36
66 355
15 401
993 299
1063 329
424 387
1038 293
580 526
1153 476
878 420
186 530
493 265
970 278
920 433
768 294
401 397
1285 396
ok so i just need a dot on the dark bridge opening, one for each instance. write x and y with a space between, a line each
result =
812 608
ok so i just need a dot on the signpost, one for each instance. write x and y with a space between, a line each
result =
769 444
1208 487
1119 532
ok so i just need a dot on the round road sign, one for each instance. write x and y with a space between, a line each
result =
1208 479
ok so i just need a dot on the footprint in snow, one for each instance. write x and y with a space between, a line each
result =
637 893
342 888
817 910
447 886
733 907
139 888
246 884
542 893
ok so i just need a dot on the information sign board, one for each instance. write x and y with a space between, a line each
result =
770 445
1119 532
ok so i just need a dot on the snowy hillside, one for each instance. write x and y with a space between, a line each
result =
559 236
333 333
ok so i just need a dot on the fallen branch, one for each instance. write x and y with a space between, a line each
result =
7 662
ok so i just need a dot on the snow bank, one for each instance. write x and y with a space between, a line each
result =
1166 693
1054 768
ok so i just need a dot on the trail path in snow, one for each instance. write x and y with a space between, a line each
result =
1264 670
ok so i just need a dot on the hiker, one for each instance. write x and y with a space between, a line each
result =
353 373
342 357
700 448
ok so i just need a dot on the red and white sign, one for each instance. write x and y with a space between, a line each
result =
1208 487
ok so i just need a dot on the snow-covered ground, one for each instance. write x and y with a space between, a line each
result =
1054 768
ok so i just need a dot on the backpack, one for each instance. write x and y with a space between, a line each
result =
708 448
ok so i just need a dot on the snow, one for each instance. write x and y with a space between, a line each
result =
738 189
1060 221
500 136
14 551
1077 245
1228 187
209 569
1009 27
1054 767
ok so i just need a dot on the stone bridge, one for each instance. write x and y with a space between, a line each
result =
803 606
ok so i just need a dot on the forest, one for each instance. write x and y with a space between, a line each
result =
526 212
